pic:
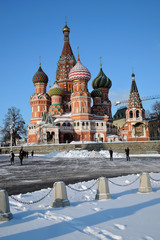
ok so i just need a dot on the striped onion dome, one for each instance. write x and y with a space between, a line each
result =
40 76
101 81
79 72
96 93
55 90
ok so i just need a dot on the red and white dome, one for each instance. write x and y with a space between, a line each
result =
79 72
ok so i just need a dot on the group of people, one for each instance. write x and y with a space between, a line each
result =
22 154
126 151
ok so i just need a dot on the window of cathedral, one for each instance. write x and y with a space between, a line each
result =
87 123
64 124
68 124
78 124
97 124
101 124
83 123
130 114
137 114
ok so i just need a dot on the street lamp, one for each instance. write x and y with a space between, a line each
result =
11 129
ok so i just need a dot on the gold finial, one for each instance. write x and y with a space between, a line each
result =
78 51
65 21
100 62
40 61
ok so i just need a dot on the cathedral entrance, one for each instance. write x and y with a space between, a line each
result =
50 137
68 137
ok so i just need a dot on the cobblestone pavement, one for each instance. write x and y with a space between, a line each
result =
41 172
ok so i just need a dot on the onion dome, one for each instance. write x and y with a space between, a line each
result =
101 81
79 72
40 76
55 90
96 93
66 29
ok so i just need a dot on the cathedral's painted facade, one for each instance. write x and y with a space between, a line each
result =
65 114
135 127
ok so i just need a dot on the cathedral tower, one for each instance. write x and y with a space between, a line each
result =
101 103
39 101
80 97
135 128
64 65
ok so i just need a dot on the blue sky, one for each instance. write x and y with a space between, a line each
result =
125 33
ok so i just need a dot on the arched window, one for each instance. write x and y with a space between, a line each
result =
68 124
137 114
78 124
83 123
64 124
130 114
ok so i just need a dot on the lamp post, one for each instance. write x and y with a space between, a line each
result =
12 125
11 130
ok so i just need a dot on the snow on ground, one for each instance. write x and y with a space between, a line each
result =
129 215
95 154
85 154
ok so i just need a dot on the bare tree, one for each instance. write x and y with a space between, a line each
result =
156 109
13 119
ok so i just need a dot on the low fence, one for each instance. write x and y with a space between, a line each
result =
135 147
60 198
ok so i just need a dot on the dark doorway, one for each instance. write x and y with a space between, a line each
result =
68 137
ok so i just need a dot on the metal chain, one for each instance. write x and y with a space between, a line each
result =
156 180
82 190
124 185
31 201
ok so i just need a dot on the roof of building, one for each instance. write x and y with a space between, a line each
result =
79 71
134 100
55 90
40 76
96 93
101 81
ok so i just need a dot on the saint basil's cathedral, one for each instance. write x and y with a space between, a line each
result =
65 114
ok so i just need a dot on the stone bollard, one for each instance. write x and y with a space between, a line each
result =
102 189
145 184
5 214
60 198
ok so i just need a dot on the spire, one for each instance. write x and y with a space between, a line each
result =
100 62
67 59
78 53
133 86
39 61
134 100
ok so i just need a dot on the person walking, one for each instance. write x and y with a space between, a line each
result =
32 153
127 154
12 157
21 156
111 154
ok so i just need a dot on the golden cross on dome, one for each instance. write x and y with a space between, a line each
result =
65 21
40 61
78 51
100 62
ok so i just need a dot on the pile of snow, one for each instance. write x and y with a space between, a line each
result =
128 215
84 154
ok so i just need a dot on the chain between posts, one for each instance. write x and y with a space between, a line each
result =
156 180
31 202
124 185
83 190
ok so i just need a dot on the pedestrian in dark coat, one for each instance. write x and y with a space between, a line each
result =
21 156
111 154
32 153
127 154
12 157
